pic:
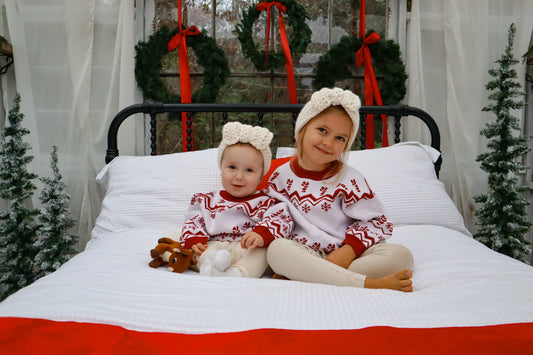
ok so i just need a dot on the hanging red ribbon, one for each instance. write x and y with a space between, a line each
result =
284 44
180 41
363 57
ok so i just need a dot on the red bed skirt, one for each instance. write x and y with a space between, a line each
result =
26 336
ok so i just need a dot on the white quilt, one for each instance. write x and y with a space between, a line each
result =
458 282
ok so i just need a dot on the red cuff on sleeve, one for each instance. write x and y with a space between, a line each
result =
265 233
356 244
194 240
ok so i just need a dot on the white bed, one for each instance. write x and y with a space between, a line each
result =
467 298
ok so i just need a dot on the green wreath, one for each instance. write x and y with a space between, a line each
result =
148 66
334 65
299 38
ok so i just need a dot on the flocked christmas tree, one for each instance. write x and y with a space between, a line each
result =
17 223
502 220
56 244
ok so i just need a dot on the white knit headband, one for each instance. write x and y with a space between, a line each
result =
324 98
258 137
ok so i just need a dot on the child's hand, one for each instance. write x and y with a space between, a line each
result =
252 240
342 256
199 248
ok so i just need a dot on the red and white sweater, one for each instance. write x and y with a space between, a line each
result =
329 213
222 217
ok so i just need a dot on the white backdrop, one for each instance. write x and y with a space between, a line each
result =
451 45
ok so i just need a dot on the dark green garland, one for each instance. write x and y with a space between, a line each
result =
299 38
148 66
334 65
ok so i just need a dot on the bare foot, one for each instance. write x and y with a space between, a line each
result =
399 281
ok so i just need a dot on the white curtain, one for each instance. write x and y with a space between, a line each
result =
74 69
451 45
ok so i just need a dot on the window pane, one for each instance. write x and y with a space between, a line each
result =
329 21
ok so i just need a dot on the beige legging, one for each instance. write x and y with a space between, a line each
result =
299 262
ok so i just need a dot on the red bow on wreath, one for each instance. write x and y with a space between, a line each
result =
284 44
371 84
180 41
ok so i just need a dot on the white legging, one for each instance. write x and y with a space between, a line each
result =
299 262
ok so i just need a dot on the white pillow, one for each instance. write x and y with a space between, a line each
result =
403 176
154 191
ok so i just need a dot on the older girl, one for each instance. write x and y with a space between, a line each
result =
340 225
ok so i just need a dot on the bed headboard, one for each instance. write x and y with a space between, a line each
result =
399 112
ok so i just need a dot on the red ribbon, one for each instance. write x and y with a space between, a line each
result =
284 44
363 57
180 41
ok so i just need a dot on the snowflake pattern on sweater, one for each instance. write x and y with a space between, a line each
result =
222 217
329 213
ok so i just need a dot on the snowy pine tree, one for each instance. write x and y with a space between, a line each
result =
17 223
503 218
56 244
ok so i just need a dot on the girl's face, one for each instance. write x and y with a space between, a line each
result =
241 169
324 139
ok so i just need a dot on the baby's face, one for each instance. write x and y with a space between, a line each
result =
241 169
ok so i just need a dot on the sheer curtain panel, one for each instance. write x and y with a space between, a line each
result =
74 69
451 45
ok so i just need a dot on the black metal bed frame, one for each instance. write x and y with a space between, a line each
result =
154 108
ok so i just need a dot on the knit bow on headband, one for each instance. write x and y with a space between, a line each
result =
336 96
258 137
